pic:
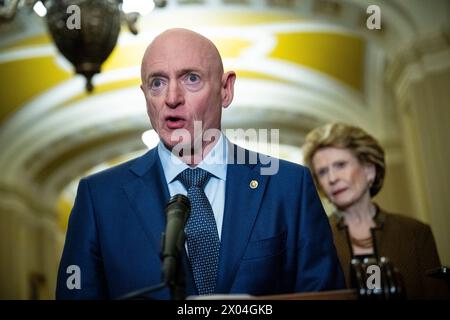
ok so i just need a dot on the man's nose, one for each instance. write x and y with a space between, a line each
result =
174 95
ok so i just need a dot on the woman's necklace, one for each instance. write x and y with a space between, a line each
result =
364 243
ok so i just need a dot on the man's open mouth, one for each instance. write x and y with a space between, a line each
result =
174 122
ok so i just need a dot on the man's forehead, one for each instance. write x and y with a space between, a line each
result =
189 59
176 63
181 50
172 47
182 36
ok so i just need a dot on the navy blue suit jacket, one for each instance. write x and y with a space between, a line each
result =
276 238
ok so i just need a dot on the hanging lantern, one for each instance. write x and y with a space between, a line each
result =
85 32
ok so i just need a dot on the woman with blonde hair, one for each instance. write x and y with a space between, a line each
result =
348 167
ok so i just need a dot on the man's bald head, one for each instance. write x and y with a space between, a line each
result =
184 84
184 41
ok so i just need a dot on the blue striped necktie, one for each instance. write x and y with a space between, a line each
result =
201 231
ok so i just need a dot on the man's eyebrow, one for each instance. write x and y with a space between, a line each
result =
161 74
188 70
156 74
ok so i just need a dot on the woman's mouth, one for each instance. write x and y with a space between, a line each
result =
339 191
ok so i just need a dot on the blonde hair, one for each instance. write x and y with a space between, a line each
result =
339 135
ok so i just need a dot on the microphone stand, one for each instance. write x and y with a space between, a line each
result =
140 294
172 244
173 272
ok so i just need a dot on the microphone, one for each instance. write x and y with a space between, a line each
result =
177 213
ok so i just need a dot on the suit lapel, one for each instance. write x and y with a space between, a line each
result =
148 194
242 205
380 244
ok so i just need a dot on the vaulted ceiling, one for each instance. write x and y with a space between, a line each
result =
299 64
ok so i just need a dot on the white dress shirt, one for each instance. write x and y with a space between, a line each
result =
214 162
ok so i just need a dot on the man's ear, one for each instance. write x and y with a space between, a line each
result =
227 89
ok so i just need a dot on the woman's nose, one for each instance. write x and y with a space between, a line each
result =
332 177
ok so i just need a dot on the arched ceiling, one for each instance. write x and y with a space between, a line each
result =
299 64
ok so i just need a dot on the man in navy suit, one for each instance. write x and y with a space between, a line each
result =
273 234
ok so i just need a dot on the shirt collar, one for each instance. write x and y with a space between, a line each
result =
214 162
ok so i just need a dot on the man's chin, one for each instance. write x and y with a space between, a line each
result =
178 145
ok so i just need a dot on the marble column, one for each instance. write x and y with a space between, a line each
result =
420 79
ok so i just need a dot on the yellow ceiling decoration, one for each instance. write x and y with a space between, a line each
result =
275 38
24 79
337 55
29 42
192 18
102 88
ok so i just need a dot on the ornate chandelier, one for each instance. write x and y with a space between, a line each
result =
84 31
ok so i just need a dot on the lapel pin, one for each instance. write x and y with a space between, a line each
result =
253 184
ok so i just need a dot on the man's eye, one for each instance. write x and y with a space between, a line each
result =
192 82
156 83
192 78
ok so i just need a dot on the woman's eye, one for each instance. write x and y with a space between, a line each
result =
321 172
341 164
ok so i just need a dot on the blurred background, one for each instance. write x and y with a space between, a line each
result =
299 64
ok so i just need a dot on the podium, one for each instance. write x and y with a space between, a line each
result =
391 286
347 294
